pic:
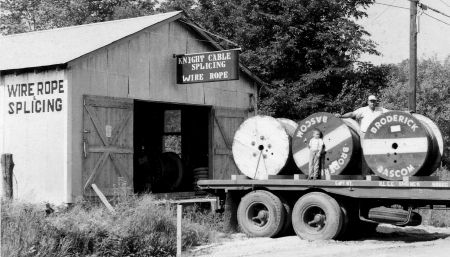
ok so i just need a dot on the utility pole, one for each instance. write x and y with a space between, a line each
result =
412 55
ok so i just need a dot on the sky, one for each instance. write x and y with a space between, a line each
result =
389 28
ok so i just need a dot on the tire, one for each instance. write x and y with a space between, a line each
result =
261 214
346 224
317 216
287 229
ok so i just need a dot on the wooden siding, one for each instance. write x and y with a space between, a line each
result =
142 67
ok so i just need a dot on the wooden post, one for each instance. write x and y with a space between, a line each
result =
179 214
7 170
412 55
103 198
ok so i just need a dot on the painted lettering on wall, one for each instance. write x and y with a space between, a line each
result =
35 97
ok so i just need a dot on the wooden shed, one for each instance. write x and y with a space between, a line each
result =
99 103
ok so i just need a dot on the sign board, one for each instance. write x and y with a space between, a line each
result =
208 67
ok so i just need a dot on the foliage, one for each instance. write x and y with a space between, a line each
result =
18 16
433 93
141 226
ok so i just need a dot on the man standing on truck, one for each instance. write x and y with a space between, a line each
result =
365 115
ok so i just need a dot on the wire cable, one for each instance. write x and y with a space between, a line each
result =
446 23
448 5
427 7
391 5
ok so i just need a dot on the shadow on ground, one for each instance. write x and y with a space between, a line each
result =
405 234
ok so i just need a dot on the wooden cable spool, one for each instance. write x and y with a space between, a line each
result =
260 147
398 144
289 126
437 141
341 144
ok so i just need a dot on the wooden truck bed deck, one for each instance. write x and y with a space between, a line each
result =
411 188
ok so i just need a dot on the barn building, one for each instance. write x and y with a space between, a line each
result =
100 103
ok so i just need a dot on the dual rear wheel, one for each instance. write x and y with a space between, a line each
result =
315 216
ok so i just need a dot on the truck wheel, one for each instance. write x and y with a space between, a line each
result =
261 214
317 216
343 233
287 226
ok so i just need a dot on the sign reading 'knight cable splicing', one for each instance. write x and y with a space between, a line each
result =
208 67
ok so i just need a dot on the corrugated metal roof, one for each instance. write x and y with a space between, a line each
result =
59 46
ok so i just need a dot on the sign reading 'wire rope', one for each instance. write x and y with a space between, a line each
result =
208 67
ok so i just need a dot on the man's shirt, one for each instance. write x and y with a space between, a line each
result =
366 116
315 144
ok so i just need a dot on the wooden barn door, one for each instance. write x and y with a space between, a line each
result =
225 123
107 144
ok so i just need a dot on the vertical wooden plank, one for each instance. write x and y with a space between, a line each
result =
217 97
118 85
179 217
163 85
139 60
118 70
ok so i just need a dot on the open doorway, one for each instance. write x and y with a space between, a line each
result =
171 146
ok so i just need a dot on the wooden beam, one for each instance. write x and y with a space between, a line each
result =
103 198
7 170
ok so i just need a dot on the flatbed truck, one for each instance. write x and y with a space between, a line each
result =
338 207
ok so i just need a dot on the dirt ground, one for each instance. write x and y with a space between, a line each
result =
421 241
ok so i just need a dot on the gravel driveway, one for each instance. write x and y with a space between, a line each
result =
421 241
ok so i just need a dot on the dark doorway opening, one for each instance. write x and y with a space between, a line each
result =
171 146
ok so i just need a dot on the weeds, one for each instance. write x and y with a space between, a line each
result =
140 227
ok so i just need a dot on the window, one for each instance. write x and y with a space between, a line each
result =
172 131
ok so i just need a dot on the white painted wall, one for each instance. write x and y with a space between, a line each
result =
38 139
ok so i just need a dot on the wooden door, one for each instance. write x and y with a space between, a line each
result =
225 123
107 144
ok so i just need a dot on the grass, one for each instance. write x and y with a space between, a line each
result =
140 227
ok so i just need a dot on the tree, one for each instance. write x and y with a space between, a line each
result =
18 16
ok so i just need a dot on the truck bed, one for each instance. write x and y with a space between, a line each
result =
411 188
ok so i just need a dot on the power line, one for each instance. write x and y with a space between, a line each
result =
391 5
380 14
436 19
444 3
426 7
